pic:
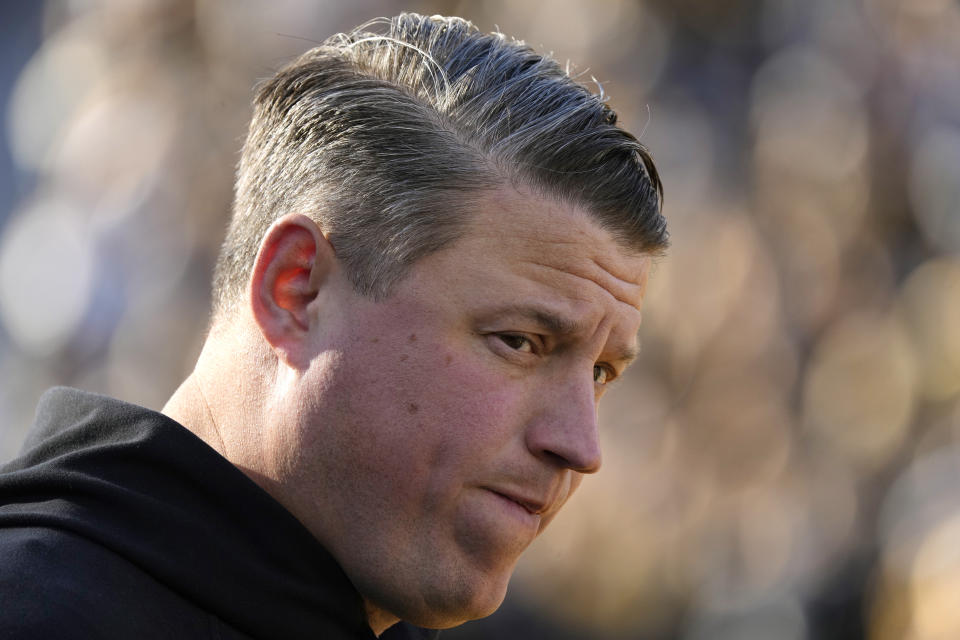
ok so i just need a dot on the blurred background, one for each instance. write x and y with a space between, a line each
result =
784 460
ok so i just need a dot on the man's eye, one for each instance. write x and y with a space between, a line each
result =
517 342
601 374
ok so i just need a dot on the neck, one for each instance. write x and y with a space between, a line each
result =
188 405
221 401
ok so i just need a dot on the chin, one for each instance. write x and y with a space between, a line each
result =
451 605
470 602
454 617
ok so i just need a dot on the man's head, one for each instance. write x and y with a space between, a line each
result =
436 264
386 139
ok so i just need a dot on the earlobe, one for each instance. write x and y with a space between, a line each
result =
294 261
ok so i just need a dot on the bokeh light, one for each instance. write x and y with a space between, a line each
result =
46 273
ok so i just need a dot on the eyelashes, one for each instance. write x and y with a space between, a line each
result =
518 342
603 373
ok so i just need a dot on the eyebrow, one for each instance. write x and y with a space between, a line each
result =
557 324
552 322
629 354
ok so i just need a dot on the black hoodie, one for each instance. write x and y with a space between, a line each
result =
117 522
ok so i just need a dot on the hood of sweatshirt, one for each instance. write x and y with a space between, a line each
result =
143 486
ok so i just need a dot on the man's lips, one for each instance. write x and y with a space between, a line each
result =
534 506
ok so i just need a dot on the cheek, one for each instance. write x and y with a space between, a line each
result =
463 399
438 419
422 412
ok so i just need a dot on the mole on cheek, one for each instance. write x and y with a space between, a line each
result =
412 338
412 407
403 357
448 359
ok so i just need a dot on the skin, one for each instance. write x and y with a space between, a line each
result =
427 439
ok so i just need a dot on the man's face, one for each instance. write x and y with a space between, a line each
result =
439 431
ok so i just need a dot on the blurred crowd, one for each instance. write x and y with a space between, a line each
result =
784 460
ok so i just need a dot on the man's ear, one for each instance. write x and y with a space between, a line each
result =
294 261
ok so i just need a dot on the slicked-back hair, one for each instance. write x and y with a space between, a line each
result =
386 139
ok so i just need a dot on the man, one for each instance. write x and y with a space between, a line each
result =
435 266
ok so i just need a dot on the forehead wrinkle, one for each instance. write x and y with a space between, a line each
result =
626 354
630 278
624 280
613 287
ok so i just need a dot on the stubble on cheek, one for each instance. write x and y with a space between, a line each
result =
485 556
477 531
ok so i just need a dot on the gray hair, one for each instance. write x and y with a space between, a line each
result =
386 139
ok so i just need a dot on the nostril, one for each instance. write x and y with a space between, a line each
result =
556 459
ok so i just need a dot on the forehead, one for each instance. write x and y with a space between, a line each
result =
554 243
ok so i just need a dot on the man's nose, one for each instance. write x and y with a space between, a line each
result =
565 431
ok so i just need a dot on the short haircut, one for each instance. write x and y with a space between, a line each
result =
386 138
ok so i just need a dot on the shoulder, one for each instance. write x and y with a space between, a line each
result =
60 586
42 586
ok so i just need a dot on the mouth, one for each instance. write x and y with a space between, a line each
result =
531 506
